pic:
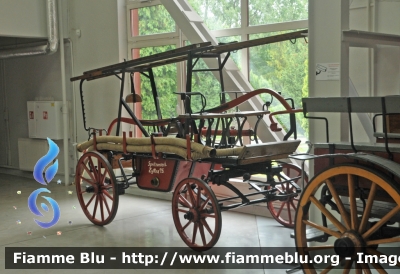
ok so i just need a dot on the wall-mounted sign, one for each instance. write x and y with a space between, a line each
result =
327 71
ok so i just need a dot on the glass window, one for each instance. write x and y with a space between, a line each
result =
276 11
222 14
235 55
151 20
206 83
282 67
166 83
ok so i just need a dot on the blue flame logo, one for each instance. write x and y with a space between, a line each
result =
44 177
32 206
51 171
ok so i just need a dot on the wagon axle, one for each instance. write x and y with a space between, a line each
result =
350 242
188 216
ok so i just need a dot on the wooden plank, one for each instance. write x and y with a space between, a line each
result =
393 123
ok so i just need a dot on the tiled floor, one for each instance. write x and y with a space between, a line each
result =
140 222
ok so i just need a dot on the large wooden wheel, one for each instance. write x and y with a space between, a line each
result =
196 214
96 188
284 211
351 227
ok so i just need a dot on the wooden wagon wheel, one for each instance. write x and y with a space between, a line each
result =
284 211
358 231
196 214
96 188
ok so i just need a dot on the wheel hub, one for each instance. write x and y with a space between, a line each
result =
349 244
95 188
191 215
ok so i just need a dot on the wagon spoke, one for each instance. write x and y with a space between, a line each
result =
289 213
182 210
203 237
280 209
284 185
190 191
90 174
106 203
316 248
184 201
358 269
368 208
379 268
383 241
347 266
87 180
194 232
108 195
322 228
95 206
204 204
99 173
326 270
365 268
339 203
353 203
188 223
381 222
101 207
91 199
103 177
92 166
207 215
293 205
328 214
378 253
106 187
205 224
288 188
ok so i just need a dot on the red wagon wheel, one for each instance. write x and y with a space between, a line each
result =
284 211
196 214
96 188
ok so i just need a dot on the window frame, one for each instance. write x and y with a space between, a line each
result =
178 38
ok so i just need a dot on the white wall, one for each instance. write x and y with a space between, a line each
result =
326 20
103 42
27 79
374 72
23 18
